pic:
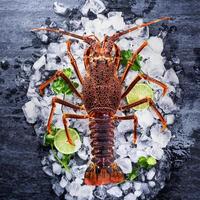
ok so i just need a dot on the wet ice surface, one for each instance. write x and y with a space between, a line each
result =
151 142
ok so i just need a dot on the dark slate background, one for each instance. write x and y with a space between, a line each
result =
21 175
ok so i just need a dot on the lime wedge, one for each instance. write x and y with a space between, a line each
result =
140 91
61 143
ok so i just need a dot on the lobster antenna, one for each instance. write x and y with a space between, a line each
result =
116 36
84 38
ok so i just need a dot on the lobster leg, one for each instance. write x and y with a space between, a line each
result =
132 60
117 56
73 61
152 105
65 122
62 102
148 78
135 119
53 78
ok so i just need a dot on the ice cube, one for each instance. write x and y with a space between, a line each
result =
145 118
137 185
156 151
79 171
151 173
79 180
143 142
36 76
58 121
152 183
31 111
39 63
145 188
68 197
171 77
112 14
45 111
159 136
124 44
39 129
125 126
82 153
100 192
96 6
125 164
125 186
51 156
86 192
122 150
36 101
56 168
154 64
137 193
68 175
156 44
44 38
86 141
115 191
130 196
176 60
59 8
57 189
119 140
45 161
47 170
166 104
73 188
135 154
120 22
31 90
130 77
56 49
81 125
63 182
170 119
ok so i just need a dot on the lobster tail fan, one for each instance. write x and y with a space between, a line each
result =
101 175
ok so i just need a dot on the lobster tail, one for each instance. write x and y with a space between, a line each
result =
102 170
101 175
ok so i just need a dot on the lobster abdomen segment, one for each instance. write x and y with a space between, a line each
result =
102 170
102 136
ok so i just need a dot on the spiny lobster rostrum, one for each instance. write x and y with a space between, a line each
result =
101 94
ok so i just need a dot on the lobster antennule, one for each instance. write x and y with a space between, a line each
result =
116 36
101 175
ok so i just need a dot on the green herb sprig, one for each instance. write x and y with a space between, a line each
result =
59 86
49 141
143 162
126 56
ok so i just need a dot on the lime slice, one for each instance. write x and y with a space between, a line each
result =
63 146
140 91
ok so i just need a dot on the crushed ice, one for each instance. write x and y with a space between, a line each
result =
151 143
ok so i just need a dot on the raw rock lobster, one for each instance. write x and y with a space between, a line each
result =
101 94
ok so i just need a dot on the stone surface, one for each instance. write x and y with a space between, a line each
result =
21 175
